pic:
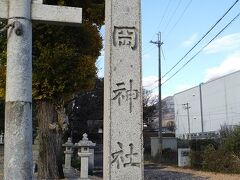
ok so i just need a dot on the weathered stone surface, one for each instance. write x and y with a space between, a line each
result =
2 138
19 54
47 13
85 142
18 111
18 143
68 153
122 92
91 160
84 153
84 164
3 10
56 14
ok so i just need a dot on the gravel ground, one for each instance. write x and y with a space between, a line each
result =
155 172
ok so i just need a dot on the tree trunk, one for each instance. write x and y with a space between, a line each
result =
49 161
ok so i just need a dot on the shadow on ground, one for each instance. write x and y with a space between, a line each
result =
155 172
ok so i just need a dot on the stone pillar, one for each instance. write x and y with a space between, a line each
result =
123 150
18 109
2 138
84 154
68 154
91 160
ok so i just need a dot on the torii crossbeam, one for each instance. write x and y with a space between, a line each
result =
18 107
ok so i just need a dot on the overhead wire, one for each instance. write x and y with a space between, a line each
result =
180 17
173 13
164 13
201 38
147 51
198 41
203 48
225 27
163 16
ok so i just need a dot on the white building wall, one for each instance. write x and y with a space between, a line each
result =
190 96
233 99
220 105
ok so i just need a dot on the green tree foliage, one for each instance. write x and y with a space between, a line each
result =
64 57
220 160
232 141
90 103
63 64
211 156
87 105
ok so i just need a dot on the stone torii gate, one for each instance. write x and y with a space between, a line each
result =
18 107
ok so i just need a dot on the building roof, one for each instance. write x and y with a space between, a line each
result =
217 78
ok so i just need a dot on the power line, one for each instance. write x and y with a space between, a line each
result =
162 52
180 17
201 38
202 48
164 12
196 44
148 50
199 50
148 47
173 13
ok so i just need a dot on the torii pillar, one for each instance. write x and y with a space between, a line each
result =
18 107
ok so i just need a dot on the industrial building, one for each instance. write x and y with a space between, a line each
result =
202 110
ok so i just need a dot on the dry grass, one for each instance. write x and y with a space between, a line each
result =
208 175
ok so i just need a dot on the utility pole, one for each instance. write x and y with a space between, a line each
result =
159 43
187 107
201 107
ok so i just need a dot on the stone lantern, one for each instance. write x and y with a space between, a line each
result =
84 153
68 154
2 138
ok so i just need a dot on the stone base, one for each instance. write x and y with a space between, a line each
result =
68 171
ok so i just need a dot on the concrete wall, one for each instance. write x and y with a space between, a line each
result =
220 105
167 142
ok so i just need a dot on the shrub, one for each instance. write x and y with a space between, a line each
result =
220 160
210 155
232 141
197 147
201 144
196 159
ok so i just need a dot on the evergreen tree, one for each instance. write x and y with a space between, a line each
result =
63 64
